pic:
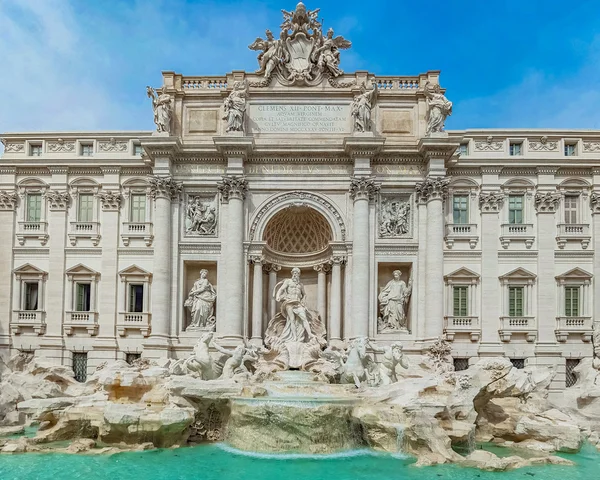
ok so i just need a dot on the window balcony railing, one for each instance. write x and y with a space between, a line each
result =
34 319
36 230
461 231
89 230
87 320
141 230
134 321
517 231
462 324
566 326
510 325
573 231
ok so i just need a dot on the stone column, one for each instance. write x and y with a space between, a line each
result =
272 269
163 190
595 204
335 305
362 191
257 300
433 191
230 326
8 205
322 270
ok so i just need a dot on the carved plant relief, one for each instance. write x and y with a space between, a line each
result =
394 217
201 215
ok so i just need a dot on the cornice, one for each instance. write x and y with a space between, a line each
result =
363 145
31 251
200 248
182 159
517 254
135 251
97 252
397 158
283 158
573 253
462 254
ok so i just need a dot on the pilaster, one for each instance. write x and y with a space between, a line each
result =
8 205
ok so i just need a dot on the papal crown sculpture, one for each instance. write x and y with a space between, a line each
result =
302 55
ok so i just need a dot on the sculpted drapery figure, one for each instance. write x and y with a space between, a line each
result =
393 300
235 107
394 219
328 53
201 302
438 109
361 108
162 104
200 217
271 55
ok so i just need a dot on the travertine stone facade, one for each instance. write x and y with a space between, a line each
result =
105 233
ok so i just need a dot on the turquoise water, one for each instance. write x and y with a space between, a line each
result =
217 462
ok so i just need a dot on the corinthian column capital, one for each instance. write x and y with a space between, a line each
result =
232 186
363 188
432 188
491 202
8 200
164 187
547 202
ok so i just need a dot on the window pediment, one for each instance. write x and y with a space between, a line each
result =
462 274
518 274
29 270
575 274
81 270
136 272
518 185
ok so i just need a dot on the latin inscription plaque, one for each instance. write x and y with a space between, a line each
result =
299 118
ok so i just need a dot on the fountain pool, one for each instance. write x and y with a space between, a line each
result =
220 462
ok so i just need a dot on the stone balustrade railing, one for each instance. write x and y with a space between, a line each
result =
28 318
134 321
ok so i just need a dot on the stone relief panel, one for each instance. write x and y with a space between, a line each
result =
395 216
396 282
201 214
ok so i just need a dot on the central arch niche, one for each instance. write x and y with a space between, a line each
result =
297 236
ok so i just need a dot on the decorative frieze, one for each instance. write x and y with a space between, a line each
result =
57 200
491 202
489 145
543 145
112 145
60 145
323 267
11 147
432 188
363 188
394 217
546 202
164 187
591 146
201 215
8 200
110 200
232 187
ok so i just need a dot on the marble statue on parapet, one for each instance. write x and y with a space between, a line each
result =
235 107
394 220
438 109
162 104
327 55
295 328
361 108
200 217
201 302
393 300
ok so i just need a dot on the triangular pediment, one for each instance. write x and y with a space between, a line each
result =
81 269
135 270
28 268
575 273
518 273
461 273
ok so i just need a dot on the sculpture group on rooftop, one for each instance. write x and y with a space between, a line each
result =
438 109
361 108
235 107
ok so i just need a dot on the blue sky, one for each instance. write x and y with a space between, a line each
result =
84 64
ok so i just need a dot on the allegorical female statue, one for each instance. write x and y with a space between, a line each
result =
361 108
201 302
235 107
393 300
162 105
438 108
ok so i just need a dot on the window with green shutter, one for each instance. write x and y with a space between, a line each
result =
460 301
34 207
83 293
572 301
515 301
138 208
515 209
86 207
460 209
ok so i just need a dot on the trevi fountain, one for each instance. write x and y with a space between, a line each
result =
305 349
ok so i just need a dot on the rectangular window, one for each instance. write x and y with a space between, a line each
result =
570 150
136 297
571 301
516 148
138 208
460 364
80 366
515 209
460 301
83 293
34 207
571 208
463 149
571 379
86 207
132 357
137 150
515 301
460 209
518 363
87 149
31 296
35 150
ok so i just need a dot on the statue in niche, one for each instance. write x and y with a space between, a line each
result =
361 108
327 55
200 217
235 107
393 301
295 327
201 302
438 109
162 104
394 219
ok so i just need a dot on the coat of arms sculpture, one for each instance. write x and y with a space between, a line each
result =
301 55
